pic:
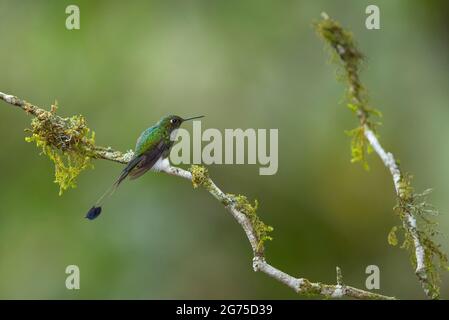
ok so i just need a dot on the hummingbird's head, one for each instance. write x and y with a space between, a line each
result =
174 122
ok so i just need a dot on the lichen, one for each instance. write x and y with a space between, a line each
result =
67 142
416 205
250 210
200 176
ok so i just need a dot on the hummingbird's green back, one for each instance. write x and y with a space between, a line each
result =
154 135
147 139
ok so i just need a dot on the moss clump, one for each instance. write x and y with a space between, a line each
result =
200 176
406 191
392 236
68 142
350 58
346 53
359 146
341 41
260 228
416 204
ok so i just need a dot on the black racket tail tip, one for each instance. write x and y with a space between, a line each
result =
93 213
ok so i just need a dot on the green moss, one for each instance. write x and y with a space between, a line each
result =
68 142
359 146
349 58
200 176
346 54
406 191
392 237
341 41
434 258
250 210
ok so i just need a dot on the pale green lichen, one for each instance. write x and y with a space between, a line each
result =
200 176
434 258
250 210
68 142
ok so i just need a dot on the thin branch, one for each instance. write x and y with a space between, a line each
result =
424 249
200 177
391 164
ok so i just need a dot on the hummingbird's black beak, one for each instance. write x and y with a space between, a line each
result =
192 118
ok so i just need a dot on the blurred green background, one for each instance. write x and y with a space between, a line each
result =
244 64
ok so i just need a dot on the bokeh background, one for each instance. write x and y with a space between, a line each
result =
244 64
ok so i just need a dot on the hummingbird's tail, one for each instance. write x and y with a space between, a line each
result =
96 208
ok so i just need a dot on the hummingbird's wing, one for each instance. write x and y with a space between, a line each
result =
147 140
127 170
148 159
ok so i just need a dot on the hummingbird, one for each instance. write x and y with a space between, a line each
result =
151 152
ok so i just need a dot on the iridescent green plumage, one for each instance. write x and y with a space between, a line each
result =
153 135
152 149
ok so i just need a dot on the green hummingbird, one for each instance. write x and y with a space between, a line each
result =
151 152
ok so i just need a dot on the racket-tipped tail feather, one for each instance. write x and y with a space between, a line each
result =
93 213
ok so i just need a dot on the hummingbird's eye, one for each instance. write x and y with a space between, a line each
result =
174 121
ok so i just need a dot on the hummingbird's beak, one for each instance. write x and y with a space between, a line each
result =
192 118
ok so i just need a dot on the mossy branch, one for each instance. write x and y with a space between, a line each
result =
414 212
68 136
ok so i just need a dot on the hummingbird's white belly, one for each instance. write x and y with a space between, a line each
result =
161 164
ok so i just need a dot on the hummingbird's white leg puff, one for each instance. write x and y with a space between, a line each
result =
162 164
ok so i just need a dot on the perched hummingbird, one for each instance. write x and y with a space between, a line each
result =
151 152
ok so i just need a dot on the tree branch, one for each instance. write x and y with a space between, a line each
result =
418 241
391 164
237 206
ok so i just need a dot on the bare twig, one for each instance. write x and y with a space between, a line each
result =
200 177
